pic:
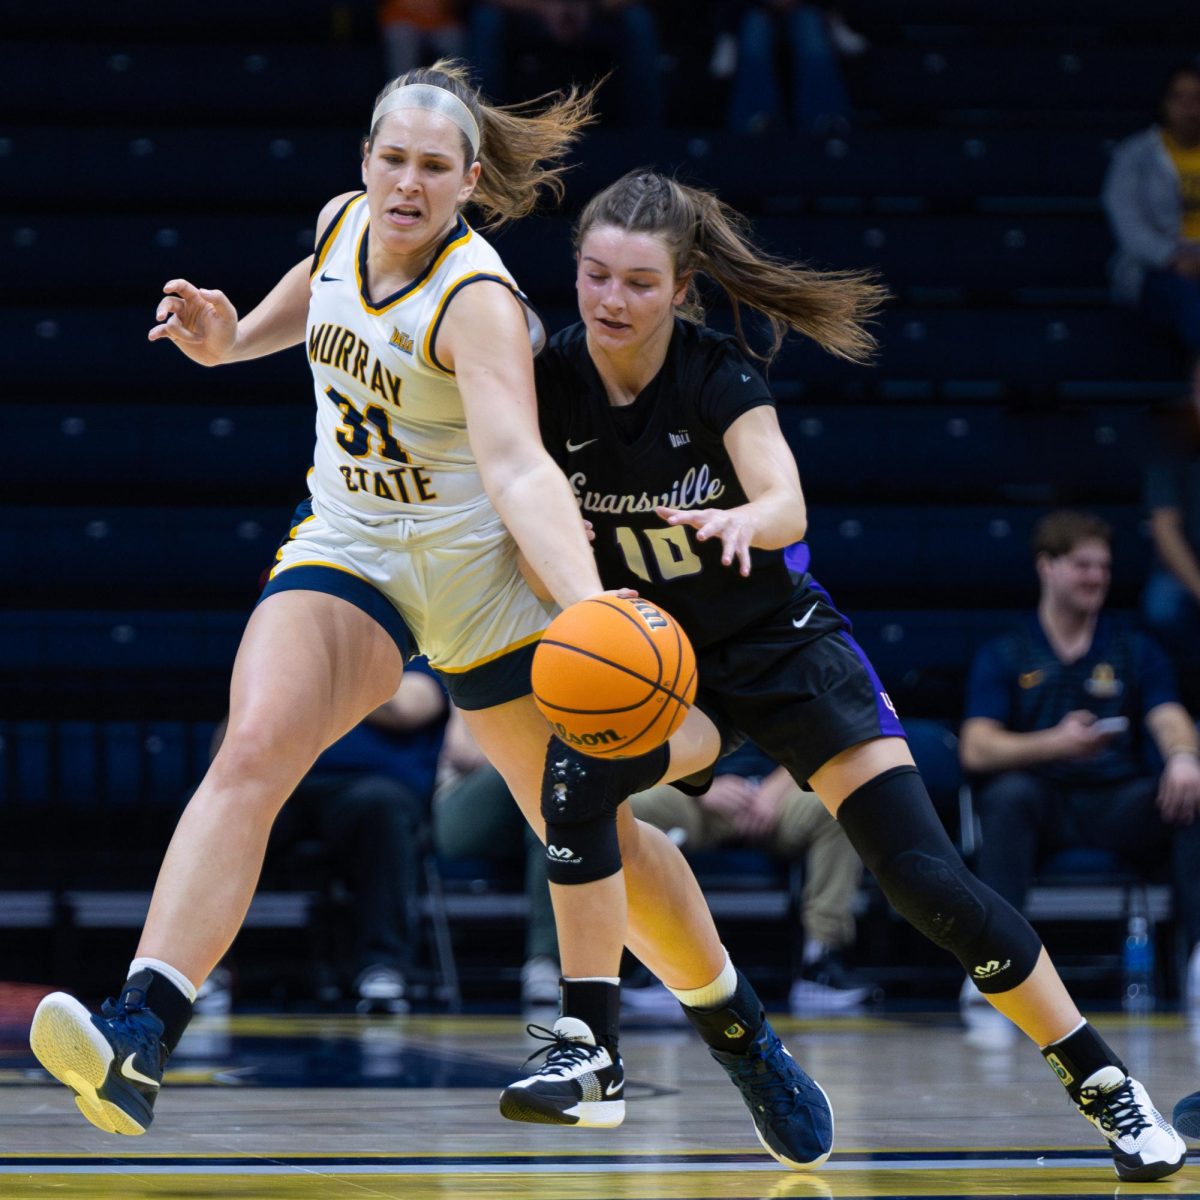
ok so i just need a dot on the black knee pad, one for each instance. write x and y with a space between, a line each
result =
580 798
892 824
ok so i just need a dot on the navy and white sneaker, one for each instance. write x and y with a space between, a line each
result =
1144 1145
580 1083
112 1062
792 1114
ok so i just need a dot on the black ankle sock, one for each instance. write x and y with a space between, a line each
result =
1078 1056
598 1005
732 1027
157 993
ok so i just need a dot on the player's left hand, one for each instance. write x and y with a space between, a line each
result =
734 526
1179 789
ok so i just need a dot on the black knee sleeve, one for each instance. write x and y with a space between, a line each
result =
892 824
580 798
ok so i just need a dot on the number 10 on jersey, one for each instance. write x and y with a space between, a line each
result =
670 550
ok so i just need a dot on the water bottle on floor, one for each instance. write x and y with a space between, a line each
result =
1138 958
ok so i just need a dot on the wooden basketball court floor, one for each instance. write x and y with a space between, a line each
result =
371 1108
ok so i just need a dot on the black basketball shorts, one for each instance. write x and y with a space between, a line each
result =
797 684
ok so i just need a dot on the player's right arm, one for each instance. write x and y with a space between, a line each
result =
205 325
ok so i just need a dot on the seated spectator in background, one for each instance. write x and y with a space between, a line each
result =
753 802
1152 194
367 800
1054 726
417 32
802 88
1171 600
575 41
475 816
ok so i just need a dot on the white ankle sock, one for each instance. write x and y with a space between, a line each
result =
712 995
177 977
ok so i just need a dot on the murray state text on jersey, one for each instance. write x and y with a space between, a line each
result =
335 346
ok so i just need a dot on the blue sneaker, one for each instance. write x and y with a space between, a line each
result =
113 1062
791 1112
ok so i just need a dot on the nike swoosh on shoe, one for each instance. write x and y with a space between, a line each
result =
134 1075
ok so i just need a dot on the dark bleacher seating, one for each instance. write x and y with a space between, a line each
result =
180 452
928 353
941 454
266 78
945 556
101 556
914 81
72 790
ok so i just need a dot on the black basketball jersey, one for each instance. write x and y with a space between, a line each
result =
664 448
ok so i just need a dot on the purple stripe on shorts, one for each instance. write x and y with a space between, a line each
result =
889 722
797 557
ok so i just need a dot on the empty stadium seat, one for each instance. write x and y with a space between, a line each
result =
937 557
180 452
141 556
126 79
852 453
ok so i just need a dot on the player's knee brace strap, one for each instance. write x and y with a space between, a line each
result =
892 824
580 798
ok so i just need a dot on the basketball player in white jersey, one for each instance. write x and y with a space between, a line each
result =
429 473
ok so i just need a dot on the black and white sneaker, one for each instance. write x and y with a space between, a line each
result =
1144 1145
580 1083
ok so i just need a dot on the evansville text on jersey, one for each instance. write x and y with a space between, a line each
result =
694 490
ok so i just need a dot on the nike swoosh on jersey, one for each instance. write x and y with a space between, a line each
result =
330 278
131 1072
800 624
573 446
614 1087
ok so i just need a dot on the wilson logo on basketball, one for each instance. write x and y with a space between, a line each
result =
601 737
650 614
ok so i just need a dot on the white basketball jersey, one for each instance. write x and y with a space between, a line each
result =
391 432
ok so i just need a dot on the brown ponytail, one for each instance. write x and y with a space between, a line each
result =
705 235
515 140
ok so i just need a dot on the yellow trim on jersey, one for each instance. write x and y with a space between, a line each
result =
321 563
436 320
292 533
480 662
423 279
331 235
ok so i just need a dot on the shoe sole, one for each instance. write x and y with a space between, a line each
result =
78 1055
1150 1172
1186 1117
805 1166
520 1104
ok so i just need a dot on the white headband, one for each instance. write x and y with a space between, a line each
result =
435 99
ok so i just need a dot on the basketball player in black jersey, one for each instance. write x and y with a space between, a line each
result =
668 435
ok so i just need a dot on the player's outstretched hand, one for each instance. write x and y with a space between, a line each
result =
734 526
200 321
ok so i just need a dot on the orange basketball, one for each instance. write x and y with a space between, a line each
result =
614 678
